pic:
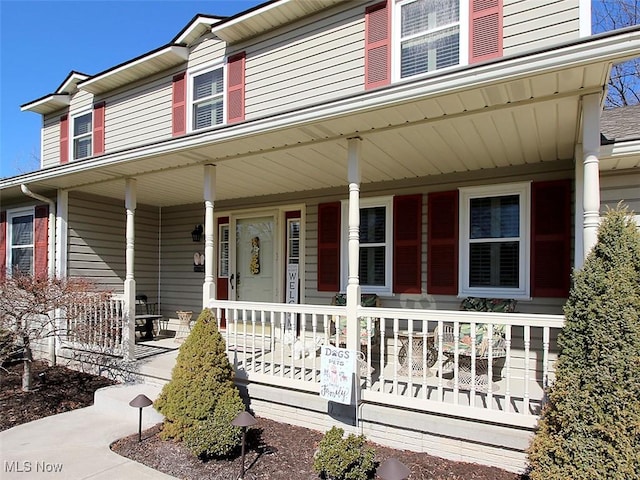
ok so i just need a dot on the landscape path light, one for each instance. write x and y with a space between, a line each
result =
392 469
243 420
140 402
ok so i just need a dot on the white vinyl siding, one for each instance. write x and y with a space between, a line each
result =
51 140
536 25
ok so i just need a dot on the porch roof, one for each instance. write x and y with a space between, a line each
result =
519 110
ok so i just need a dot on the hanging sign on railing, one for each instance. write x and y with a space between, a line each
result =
337 369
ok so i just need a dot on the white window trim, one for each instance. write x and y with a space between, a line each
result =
72 137
396 28
191 74
386 202
11 214
466 194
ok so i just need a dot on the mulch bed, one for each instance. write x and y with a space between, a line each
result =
277 451
55 390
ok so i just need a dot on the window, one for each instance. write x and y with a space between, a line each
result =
376 233
82 136
293 241
223 250
429 35
20 240
207 99
494 245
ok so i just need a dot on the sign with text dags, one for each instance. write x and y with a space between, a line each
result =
337 368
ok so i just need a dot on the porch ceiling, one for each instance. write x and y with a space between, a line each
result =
436 126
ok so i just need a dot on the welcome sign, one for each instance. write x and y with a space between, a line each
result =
337 367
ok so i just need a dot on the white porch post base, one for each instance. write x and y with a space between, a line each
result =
129 326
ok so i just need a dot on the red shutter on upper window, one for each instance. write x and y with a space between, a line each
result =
329 247
98 128
235 87
64 139
551 238
40 240
485 39
377 59
3 245
179 105
442 243
407 243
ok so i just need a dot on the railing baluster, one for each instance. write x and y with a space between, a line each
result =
527 367
507 393
456 361
383 342
546 334
396 351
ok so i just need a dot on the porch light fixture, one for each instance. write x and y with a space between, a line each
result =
243 420
392 469
196 234
140 402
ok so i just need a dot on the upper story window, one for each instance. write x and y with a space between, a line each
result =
207 98
20 240
82 135
429 35
494 241
376 244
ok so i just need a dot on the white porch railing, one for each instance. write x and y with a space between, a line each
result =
408 361
96 326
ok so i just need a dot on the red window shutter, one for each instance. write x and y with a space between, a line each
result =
64 139
377 59
3 245
486 30
235 87
98 128
442 243
40 240
329 247
179 105
407 243
551 238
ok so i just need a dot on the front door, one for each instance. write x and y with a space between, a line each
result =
253 273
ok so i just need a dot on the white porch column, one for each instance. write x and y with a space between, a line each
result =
61 258
129 328
209 286
591 178
353 284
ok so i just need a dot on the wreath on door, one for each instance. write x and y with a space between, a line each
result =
254 266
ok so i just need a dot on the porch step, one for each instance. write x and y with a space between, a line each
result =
115 400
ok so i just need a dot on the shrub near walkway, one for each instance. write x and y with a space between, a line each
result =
591 426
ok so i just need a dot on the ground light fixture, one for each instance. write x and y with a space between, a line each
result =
392 469
140 402
243 420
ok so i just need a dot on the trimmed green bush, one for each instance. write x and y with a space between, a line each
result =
201 399
343 458
590 427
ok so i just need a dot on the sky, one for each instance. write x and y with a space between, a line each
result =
41 41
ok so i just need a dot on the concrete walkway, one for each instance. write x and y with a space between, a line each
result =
75 445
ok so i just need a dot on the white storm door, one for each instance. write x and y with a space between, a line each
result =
253 273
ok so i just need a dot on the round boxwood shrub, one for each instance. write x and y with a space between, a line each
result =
343 458
590 427
201 398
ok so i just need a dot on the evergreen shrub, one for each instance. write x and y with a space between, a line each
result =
343 458
590 427
201 399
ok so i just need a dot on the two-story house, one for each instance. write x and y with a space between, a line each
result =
421 151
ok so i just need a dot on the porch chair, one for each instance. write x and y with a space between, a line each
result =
484 343
143 307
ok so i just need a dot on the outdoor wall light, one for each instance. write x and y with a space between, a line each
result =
196 234
140 402
244 420
392 469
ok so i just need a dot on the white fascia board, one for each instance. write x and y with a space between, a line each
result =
197 28
93 85
48 104
70 84
620 149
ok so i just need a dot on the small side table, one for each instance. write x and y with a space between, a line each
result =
185 325
417 366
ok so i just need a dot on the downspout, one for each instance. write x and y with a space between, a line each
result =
51 264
